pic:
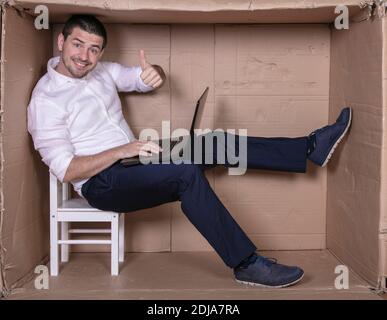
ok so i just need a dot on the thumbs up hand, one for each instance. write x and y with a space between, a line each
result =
151 75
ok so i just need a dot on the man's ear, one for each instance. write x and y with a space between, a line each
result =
61 40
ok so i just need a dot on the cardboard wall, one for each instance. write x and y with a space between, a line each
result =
25 178
261 82
199 11
260 79
354 175
383 218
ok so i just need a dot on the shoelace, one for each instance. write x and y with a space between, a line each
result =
269 261
266 261
311 143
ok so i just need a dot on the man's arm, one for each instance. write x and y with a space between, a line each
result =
84 167
48 128
143 78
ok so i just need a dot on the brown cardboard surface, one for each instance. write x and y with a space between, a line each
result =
3 285
192 69
383 213
259 84
25 184
204 11
354 176
200 5
190 275
262 86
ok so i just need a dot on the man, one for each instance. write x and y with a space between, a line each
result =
77 125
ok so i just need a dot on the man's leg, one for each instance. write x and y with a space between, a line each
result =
280 154
125 189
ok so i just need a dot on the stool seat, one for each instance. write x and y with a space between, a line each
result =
77 203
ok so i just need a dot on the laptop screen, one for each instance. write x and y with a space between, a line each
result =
199 111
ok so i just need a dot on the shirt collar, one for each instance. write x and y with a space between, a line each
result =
60 78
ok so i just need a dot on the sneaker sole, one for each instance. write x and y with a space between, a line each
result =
267 286
338 140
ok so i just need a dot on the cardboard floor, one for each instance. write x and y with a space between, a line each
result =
189 275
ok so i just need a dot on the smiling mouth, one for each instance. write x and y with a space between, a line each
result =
80 65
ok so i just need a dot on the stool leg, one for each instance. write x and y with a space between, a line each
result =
121 237
65 236
114 245
54 263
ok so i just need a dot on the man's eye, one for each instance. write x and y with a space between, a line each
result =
94 51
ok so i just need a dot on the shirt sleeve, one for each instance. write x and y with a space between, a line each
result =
126 78
47 126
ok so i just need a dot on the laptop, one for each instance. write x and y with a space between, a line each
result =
199 108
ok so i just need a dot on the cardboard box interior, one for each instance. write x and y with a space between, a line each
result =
275 79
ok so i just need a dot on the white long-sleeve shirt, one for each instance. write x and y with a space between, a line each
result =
70 117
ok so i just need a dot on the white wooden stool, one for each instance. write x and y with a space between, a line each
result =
65 210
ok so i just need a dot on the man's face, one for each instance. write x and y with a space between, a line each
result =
80 53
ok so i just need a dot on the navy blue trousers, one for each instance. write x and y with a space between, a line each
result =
125 189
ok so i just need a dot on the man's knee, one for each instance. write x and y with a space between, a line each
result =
187 174
191 170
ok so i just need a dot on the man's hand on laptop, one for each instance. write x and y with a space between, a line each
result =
142 148
151 75
82 167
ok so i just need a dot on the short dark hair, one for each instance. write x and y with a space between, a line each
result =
87 23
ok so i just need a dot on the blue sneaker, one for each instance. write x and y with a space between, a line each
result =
327 138
267 273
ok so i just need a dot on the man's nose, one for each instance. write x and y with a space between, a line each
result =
84 54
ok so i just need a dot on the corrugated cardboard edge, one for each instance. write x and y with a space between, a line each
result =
4 290
200 11
383 204
369 9
199 5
